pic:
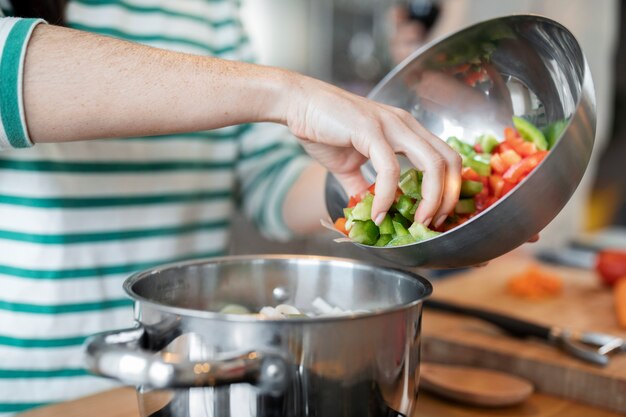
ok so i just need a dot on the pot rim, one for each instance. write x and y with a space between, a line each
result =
188 312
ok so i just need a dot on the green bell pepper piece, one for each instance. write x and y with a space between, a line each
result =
465 206
411 184
554 131
386 226
460 146
365 232
471 188
401 240
383 240
529 132
399 218
400 230
363 210
421 232
478 164
405 205
347 212
488 143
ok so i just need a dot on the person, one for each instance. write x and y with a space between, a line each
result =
192 128
595 26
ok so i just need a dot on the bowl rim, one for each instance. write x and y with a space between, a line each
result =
253 318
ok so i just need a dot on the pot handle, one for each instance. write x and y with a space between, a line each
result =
117 354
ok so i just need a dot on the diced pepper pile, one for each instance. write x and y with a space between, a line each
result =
490 170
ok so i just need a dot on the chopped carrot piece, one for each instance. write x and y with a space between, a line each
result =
535 283
340 224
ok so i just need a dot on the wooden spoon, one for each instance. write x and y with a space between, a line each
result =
474 386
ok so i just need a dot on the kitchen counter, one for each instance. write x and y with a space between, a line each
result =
122 403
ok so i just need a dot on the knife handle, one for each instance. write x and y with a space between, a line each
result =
515 327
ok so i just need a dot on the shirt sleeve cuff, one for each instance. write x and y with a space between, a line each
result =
14 36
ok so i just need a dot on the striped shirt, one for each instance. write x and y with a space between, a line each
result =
77 218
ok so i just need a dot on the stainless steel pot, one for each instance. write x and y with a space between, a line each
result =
188 361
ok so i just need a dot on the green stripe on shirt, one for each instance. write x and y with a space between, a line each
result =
160 38
92 167
117 235
17 407
157 10
11 68
65 308
42 373
91 202
42 343
97 272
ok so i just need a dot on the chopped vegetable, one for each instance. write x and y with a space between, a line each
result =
365 232
619 297
471 188
386 226
491 169
383 240
529 132
535 283
421 232
411 184
340 224
465 206
488 143
553 132
363 210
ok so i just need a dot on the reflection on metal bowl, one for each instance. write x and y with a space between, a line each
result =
525 65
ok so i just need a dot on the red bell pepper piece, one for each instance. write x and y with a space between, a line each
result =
497 164
354 200
510 133
521 146
469 174
510 157
518 171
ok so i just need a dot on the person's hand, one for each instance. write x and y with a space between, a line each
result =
342 131
406 35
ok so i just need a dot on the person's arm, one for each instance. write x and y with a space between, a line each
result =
80 86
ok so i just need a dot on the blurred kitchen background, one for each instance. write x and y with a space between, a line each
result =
346 42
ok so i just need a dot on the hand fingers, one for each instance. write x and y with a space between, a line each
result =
452 182
442 169
387 169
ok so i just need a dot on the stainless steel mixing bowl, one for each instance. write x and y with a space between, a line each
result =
189 361
535 69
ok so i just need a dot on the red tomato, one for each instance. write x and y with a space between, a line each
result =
372 188
469 174
518 171
611 265
478 148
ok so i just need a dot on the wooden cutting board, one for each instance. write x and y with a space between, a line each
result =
583 305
